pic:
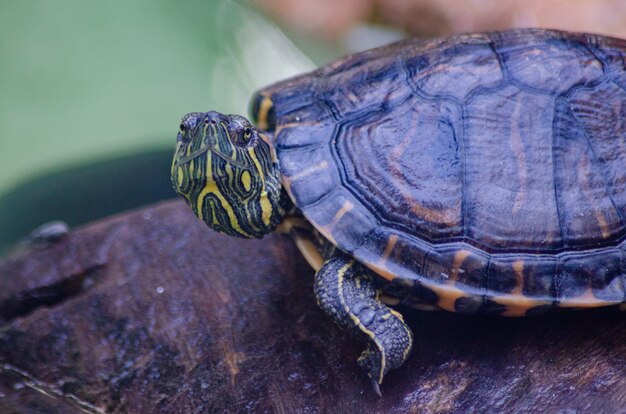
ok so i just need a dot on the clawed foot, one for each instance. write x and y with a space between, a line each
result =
345 292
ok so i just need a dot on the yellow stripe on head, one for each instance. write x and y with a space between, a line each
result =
245 180
225 170
212 188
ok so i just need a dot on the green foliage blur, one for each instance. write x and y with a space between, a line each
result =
92 93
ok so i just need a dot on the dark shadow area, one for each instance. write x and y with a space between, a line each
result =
82 194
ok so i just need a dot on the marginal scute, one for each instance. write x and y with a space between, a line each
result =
354 63
299 169
529 275
347 227
548 63
458 267
304 112
610 51
374 87
291 93
591 277
405 260
455 69
299 135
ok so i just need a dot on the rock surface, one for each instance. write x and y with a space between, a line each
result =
150 312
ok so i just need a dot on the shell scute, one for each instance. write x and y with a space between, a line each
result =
589 216
400 182
604 105
469 168
504 143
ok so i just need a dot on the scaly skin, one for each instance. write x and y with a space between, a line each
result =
345 291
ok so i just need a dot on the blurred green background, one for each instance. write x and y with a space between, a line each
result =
92 94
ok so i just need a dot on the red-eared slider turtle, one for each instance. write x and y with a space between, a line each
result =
474 173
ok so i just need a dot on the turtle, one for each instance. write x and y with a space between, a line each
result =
475 173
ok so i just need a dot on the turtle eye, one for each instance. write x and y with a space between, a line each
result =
247 133
182 133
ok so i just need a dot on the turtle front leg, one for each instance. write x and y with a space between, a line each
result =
345 291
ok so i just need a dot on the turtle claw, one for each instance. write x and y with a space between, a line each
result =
376 388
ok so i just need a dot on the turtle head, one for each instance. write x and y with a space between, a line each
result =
226 170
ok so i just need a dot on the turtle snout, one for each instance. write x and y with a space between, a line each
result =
193 119
213 117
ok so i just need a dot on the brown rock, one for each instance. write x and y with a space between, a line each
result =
150 312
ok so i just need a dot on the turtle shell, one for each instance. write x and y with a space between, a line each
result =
485 171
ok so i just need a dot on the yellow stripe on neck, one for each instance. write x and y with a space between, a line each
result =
266 205
264 109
